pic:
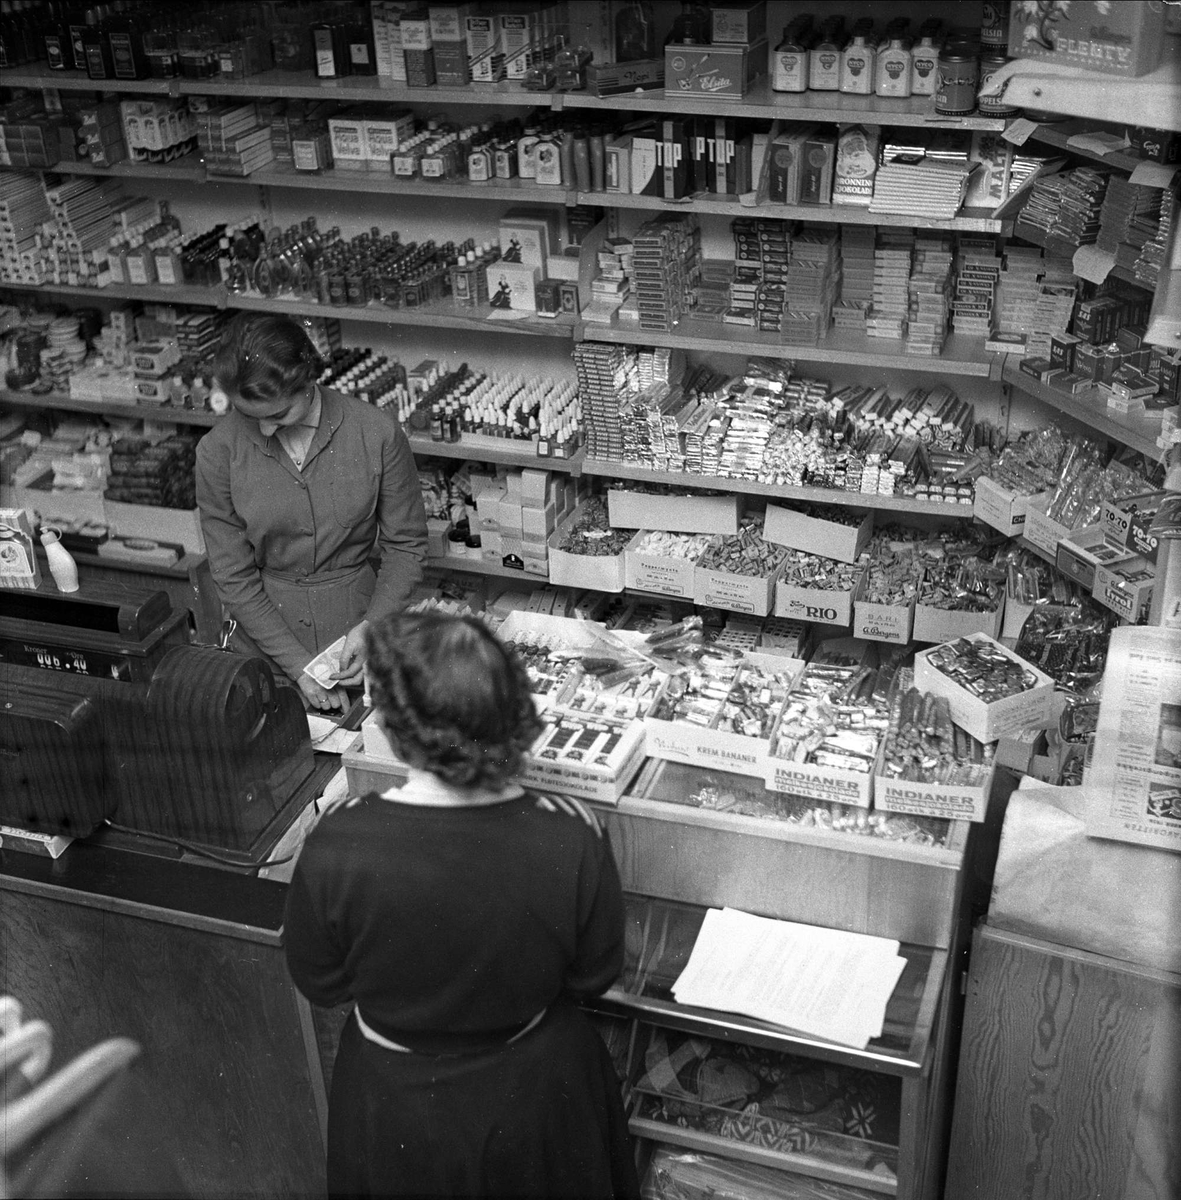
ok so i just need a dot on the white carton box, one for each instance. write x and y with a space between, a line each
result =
177 526
816 604
819 783
603 774
677 514
815 535
933 624
987 722
1040 530
602 573
738 593
658 573
1001 508
883 622
679 741
932 799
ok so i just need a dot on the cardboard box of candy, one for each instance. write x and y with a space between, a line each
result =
596 569
1094 35
1001 508
956 802
665 563
1128 522
842 540
732 714
992 693
677 514
577 754
1125 587
1041 530
1083 551
883 622
935 624
803 597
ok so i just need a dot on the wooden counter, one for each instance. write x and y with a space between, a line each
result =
186 960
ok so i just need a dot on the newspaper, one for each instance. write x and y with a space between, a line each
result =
1134 781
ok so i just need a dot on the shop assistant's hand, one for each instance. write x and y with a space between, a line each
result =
321 699
352 657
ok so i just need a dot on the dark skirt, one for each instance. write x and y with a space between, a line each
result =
541 1117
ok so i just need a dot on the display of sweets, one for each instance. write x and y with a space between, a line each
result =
923 745
624 701
982 668
1068 641
955 578
1030 463
1084 486
590 532
894 571
547 666
834 717
744 553
826 574
698 694
660 544
754 702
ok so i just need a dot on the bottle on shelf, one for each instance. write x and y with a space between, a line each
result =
789 71
893 70
857 67
824 58
924 67
62 566
691 27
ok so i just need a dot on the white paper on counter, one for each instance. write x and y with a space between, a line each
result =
1134 782
1098 143
1019 131
1152 174
327 736
825 982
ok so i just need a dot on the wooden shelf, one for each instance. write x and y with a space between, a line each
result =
441 316
1090 407
774 491
110 408
509 454
761 101
1059 133
962 355
972 220
188 169
386 183
482 566
444 316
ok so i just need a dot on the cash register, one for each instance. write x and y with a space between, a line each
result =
110 714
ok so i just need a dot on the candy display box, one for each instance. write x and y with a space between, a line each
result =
738 593
816 604
987 722
1043 532
707 746
602 573
591 757
1001 508
814 535
1128 522
883 622
1083 551
1094 35
933 624
818 783
932 799
677 514
663 574
1125 587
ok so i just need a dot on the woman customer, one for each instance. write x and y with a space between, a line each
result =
299 488
465 917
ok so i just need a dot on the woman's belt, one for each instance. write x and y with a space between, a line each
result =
316 578
449 1043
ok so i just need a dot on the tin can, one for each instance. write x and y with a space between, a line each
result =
959 71
994 25
993 106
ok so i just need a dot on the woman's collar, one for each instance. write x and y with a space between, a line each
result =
423 788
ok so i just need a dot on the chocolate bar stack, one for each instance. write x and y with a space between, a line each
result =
1062 212
160 474
1129 218
928 188
929 292
1148 265
667 265
813 277
23 210
891 277
607 376
978 271
857 264
762 252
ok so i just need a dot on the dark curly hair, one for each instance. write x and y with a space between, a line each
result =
264 359
455 700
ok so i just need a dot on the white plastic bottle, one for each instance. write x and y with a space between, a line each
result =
62 566
924 68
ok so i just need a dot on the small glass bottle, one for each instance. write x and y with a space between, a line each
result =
924 68
893 70
857 68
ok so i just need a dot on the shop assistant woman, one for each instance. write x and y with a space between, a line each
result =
464 917
300 487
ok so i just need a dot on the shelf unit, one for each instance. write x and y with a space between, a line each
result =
1090 407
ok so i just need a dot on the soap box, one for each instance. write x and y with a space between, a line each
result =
512 286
